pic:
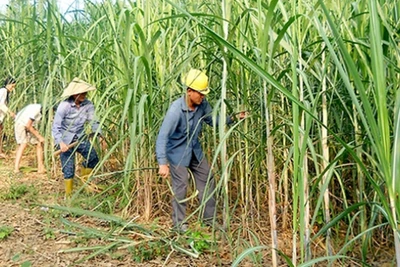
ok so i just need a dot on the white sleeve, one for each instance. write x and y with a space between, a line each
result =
3 96
3 108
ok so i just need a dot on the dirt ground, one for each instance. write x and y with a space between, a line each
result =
38 237
43 236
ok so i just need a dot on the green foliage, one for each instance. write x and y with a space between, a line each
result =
81 240
26 264
16 257
5 232
17 191
49 233
107 204
50 214
247 252
199 241
117 256
149 250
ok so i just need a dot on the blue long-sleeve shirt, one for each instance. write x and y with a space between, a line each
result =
178 137
69 121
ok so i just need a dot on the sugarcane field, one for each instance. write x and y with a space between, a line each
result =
199 133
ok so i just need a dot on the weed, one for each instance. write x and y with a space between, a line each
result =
16 192
52 213
106 206
146 251
199 241
117 256
5 232
49 233
81 241
16 257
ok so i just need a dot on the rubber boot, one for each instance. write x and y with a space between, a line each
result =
69 185
85 173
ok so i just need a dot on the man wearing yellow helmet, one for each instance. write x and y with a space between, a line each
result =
178 148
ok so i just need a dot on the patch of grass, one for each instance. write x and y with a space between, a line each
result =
117 256
26 264
49 233
16 257
50 214
150 250
5 232
81 240
15 192
106 206
199 241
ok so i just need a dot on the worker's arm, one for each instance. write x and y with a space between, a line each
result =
32 130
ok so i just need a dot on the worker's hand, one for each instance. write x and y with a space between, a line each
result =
63 147
242 115
12 114
163 171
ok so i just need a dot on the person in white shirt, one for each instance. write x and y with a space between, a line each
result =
9 85
25 132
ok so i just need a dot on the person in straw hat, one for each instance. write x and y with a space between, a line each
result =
68 127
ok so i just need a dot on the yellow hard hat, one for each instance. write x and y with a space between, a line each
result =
198 81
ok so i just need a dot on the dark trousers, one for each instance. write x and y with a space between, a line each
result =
205 184
84 148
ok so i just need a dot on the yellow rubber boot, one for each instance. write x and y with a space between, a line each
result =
85 174
69 185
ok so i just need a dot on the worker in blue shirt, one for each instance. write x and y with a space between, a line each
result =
68 127
178 148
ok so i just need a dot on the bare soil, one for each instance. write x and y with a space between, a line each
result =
40 236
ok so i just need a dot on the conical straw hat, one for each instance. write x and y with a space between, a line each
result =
77 86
